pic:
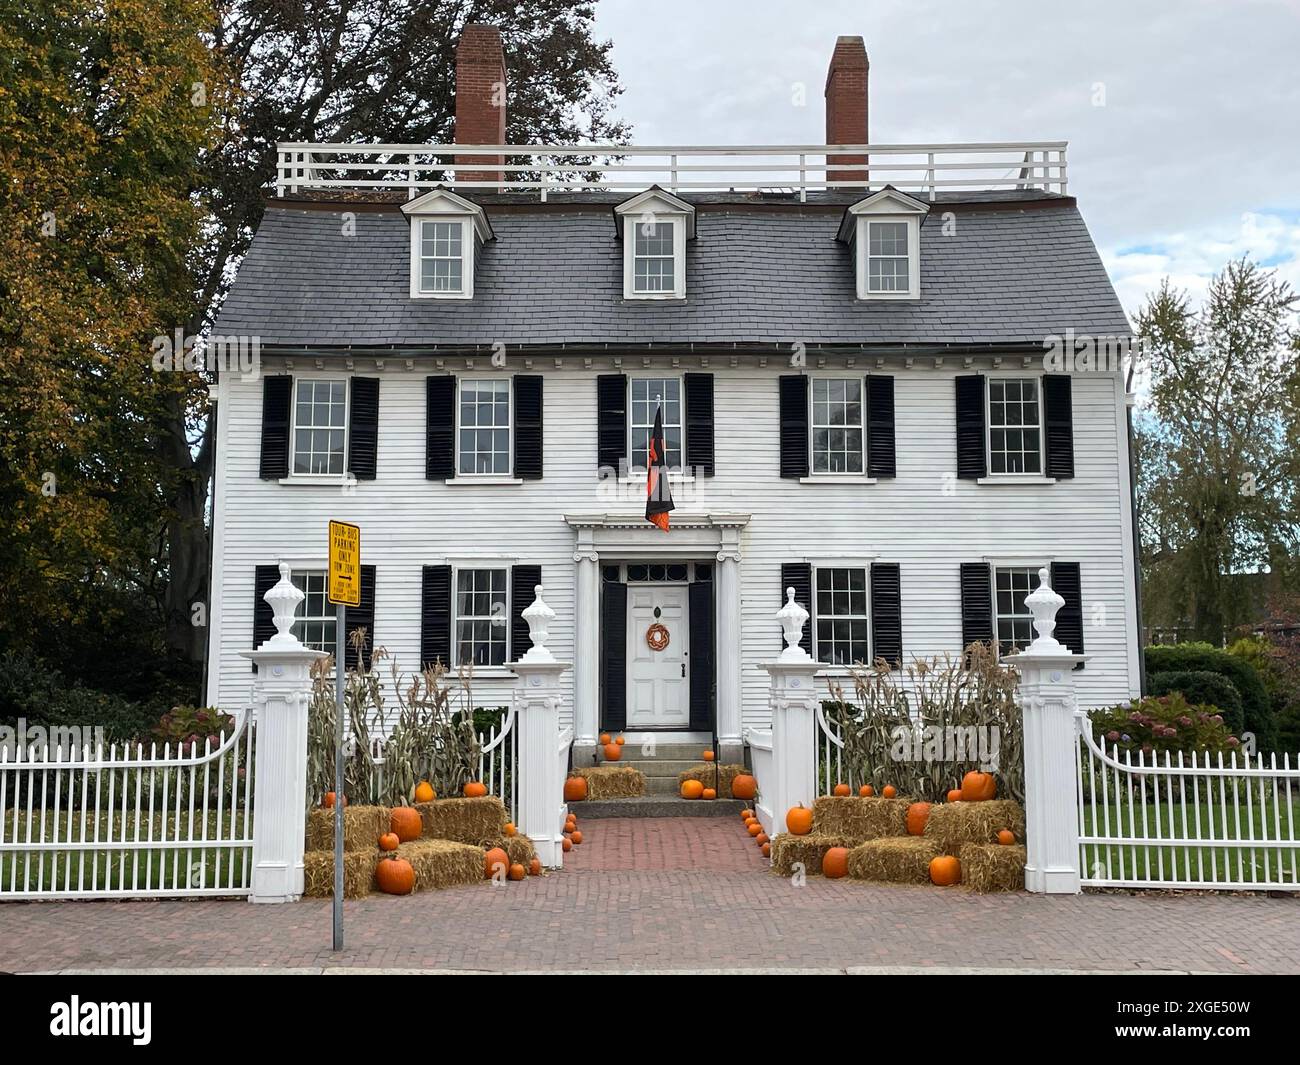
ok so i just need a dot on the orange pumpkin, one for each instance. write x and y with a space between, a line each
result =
475 790
517 871
569 826
744 787
494 858
567 845
404 822
329 799
866 791
613 752
576 836
575 789
619 740
1006 837
767 850
761 838
954 795
754 828
395 876
389 841
889 791
707 756
709 793
692 789
605 738
945 870
917 814
745 815
424 792
509 828
978 787
798 820
841 789
835 863
535 867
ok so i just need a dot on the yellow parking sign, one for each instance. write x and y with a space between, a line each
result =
345 564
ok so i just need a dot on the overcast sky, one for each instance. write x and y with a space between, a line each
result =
1183 117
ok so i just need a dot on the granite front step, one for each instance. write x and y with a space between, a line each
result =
656 806
658 767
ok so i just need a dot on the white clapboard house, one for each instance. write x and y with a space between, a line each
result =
850 344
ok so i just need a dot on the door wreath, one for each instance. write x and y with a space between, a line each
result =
656 637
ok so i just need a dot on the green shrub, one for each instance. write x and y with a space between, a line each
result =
41 695
1200 687
1163 723
190 725
1256 707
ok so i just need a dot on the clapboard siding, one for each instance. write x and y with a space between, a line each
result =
925 519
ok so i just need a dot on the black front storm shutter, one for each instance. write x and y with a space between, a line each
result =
976 603
886 613
435 616
613 637
1069 619
972 461
1058 420
611 420
698 391
528 428
798 575
277 400
440 428
701 649
523 583
363 428
264 579
880 426
794 425
361 617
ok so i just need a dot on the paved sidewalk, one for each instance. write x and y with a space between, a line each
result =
670 894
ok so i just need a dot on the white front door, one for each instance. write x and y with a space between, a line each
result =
658 682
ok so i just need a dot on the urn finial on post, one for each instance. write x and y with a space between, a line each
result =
1043 602
284 599
792 617
539 617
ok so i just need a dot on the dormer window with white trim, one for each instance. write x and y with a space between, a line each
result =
884 231
654 227
447 231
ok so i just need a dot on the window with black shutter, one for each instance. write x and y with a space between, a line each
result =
277 402
798 575
1058 424
435 616
1068 584
264 579
794 425
698 392
972 458
613 656
702 681
523 590
976 603
886 613
528 427
880 426
363 428
440 428
361 617
611 421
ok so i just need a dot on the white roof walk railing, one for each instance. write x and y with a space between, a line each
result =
923 169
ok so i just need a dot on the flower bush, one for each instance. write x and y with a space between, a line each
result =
191 726
1163 723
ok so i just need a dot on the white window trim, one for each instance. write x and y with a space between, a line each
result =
1014 478
676 474
996 564
862 243
863 564
678 222
507 477
843 477
467 231
456 570
344 478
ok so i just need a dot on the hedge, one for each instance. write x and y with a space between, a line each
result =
1256 708
1203 688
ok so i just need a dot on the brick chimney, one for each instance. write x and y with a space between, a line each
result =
846 103
480 99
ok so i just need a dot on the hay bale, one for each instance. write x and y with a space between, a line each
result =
809 850
463 820
894 859
362 827
358 873
860 819
955 823
442 863
613 781
704 773
519 848
989 867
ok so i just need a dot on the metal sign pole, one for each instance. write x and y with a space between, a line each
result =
340 661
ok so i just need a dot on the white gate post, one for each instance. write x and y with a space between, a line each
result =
793 698
1047 702
537 721
281 696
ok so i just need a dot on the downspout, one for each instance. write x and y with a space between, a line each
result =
1137 538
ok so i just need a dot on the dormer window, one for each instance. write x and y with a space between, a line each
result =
884 231
655 226
447 231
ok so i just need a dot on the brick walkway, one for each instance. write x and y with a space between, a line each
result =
668 894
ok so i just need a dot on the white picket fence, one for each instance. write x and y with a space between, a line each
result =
498 762
126 823
1186 821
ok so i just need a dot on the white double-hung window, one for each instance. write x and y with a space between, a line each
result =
837 425
442 257
481 617
884 231
320 426
654 227
447 232
1015 426
843 624
483 427
647 396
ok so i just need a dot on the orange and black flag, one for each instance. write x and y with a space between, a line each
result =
658 495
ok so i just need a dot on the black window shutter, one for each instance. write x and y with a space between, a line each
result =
435 616
880 426
698 390
702 661
972 459
614 637
1069 619
264 579
363 428
440 428
523 583
794 425
798 575
361 617
528 428
886 613
611 420
277 401
1058 421
976 603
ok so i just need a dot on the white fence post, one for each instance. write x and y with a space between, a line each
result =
1047 702
281 696
537 724
793 698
